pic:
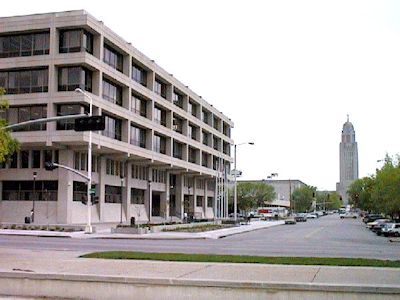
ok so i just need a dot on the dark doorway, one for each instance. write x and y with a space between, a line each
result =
155 208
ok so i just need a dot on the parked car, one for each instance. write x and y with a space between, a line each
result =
300 217
311 216
348 214
290 221
391 229
372 217
377 223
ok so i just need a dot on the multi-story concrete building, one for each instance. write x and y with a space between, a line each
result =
159 154
348 160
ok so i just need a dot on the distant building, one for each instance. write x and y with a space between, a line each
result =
348 160
283 190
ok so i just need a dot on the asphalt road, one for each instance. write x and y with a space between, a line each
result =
327 236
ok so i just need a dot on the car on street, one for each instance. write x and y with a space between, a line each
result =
290 221
377 223
300 217
391 229
348 214
311 216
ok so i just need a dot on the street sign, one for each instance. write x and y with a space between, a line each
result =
236 173
92 191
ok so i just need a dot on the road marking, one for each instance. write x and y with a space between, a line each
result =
314 232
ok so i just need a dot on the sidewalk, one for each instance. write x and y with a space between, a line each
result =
106 233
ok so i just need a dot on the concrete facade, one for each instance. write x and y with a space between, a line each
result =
348 160
156 160
283 190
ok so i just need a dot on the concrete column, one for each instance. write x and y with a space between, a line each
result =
149 139
169 146
128 185
167 196
151 77
170 89
205 200
149 194
127 61
194 193
98 46
102 188
179 196
125 131
126 98
65 188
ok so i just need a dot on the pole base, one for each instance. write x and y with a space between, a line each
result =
89 229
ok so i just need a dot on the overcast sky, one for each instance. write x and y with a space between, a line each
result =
286 72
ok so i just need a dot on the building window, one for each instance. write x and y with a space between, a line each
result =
216 143
206 138
160 116
159 144
160 88
24 159
192 132
138 136
204 159
24 190
77 40
139 172
206 116
67 110
139 105
80 191
216 123
112 92
25 82
24 44
178 124
210 201
71 78
199 201
113 128
15 115
139 74
178 150
36 159
113 58
192 108
137 196
177 99
113 194
14 161
192 155
227 130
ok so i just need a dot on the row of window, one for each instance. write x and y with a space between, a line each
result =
34 159
24 44
30 190
25 81
70 78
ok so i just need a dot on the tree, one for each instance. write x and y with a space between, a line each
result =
387 187
360 194
252 195
328 200
303 198
8 145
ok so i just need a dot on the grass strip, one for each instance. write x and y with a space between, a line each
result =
320 261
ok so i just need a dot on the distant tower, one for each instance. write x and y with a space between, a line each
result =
348 160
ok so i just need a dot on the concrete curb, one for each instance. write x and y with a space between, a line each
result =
292 286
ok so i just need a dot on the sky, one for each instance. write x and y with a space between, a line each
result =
286 72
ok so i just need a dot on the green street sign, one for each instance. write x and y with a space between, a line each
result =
92 191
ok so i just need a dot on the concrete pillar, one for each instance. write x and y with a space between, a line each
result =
149 194
65 188
167 196
179 195
128 185
151 77
102 188
205 200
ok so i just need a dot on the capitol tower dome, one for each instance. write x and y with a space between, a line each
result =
348 160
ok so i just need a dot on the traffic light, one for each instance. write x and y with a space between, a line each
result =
49 166
93 123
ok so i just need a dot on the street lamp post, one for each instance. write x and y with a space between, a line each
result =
89 228
122 185
34 192
235 185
